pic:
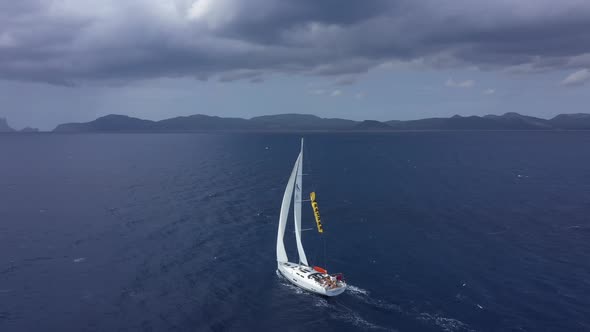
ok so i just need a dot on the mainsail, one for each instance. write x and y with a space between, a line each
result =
297 206
281 253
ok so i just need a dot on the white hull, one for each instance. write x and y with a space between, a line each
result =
307 278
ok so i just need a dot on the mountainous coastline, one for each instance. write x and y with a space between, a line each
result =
304 122
5 128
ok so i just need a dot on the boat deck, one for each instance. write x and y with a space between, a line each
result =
324 280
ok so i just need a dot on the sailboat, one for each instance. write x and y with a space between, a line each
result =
311 278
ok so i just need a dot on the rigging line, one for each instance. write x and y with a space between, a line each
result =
307 161
313 181
316 187
325 261
305 229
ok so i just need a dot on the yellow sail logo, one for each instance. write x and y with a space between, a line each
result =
316 212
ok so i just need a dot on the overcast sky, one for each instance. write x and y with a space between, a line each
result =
75 60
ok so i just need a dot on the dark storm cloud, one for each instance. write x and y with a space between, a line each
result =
72 41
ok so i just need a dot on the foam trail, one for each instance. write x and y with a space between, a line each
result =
341 312
446 324
356 320
344 313
357 290
364 296
337 310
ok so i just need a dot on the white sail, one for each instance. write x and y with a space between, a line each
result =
285 205
297 207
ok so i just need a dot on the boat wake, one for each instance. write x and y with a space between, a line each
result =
364 296
356 290
343 313
444 323
337 311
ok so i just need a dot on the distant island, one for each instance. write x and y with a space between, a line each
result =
307 122
5 128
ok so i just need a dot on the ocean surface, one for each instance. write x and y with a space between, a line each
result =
434 231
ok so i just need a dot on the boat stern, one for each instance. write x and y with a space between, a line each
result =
335 291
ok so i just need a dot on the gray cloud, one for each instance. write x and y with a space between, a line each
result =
346 80
336 93
76 41
451 83
577 78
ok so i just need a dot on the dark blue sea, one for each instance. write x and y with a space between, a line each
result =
434 231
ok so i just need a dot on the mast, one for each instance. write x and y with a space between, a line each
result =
297 207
